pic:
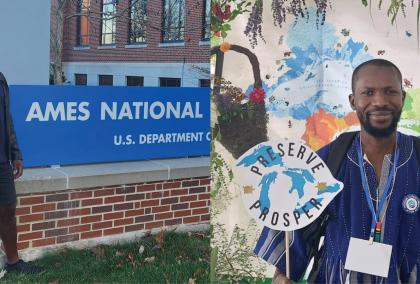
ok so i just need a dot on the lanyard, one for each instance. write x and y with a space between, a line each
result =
376 223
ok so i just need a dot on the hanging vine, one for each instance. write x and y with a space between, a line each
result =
280 9
225 11
253 27
395 8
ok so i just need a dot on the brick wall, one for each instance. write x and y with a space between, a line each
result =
65 216
191 52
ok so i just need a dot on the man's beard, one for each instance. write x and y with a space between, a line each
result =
379 132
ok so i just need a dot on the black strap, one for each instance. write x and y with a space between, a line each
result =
335 158
416 142
338 151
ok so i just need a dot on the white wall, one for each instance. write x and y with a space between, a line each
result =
25 41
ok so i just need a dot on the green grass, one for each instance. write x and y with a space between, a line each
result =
183 256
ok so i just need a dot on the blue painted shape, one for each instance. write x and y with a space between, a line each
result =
297 64
307 108
299 178
261 151
266 183
353 48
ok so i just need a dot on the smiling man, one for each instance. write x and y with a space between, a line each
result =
371 228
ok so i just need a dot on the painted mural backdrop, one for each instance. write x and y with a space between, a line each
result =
283 69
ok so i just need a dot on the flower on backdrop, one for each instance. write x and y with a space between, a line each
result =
219 14
225 47
257 96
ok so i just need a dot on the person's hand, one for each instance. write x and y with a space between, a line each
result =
280 278
17 168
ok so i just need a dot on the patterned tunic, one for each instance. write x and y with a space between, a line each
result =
348 215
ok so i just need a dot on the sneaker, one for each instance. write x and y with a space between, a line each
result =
23 267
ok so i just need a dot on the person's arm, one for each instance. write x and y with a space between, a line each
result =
303 245
15 151
16 155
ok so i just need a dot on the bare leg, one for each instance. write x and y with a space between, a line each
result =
8 233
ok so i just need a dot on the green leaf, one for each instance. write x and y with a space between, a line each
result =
233 15
219 136
226 27
365 3
418 27
214 41
224 34
214 21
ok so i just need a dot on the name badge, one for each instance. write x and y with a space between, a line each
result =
371 258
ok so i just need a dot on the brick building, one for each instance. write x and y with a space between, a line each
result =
135 42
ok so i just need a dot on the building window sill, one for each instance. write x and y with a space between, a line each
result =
81 47
136 45
171 44
110 46
204 42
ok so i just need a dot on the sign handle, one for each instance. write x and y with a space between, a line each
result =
287 255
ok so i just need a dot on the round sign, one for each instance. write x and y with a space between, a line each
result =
285 185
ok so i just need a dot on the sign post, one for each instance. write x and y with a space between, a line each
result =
287 254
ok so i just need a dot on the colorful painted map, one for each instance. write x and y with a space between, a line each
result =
313 82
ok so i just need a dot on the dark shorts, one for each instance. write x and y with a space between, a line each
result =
7 185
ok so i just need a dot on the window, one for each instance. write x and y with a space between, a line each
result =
138 21
83 22
134 81
106 80
204 83
206 20
109 11
173 20
170 82
80 79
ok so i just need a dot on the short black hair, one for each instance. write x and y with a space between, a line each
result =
374 62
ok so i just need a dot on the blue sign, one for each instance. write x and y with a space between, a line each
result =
62 125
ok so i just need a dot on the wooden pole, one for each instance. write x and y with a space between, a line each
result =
287 255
